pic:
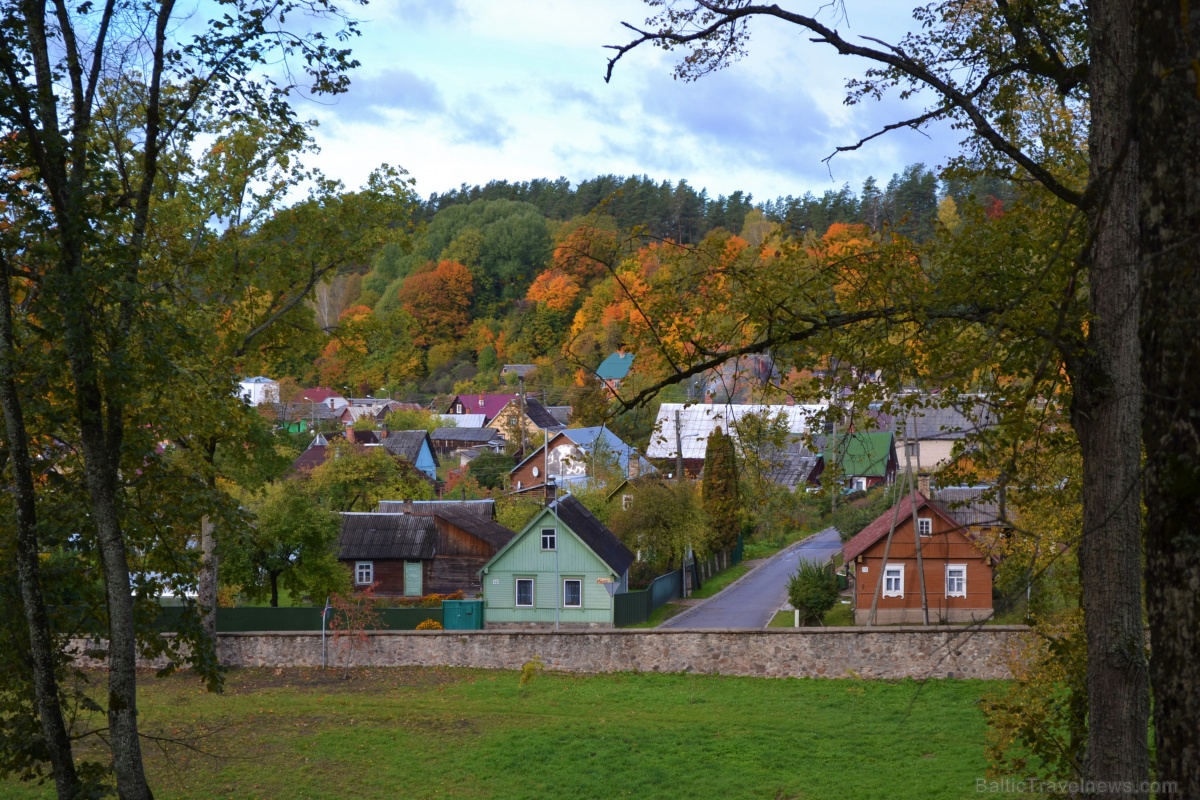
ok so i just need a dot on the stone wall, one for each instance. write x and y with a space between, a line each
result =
879 653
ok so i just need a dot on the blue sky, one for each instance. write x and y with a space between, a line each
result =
469 91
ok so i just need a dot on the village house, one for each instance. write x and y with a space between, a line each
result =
956 561
529 417
258 390
413 548
615 369
562 569
571 459
933 429
449 440
415 447
697 421
489 405
862 460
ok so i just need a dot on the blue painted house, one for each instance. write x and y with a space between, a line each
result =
562 569
414 447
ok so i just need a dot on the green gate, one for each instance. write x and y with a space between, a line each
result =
462 615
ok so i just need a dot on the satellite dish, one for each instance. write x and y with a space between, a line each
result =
535 472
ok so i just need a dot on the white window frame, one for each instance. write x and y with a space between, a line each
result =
925 526
458 408
960 592
532 592
859 484
552 537
361 569
626 501
564 595
893 571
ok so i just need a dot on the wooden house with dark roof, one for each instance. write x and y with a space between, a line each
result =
956 561
414 447
446 440
562 569
424 547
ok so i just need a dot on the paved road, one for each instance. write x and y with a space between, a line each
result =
752 603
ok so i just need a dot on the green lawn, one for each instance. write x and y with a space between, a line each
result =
456 733
840 615
719 581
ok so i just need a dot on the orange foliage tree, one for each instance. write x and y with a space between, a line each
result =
439 299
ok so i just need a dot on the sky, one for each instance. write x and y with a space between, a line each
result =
468 91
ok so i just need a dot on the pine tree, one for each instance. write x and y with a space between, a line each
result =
720 489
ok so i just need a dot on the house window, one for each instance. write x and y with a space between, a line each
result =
572 593
860 484
925 526
548 539
956 580
626 501
525 592
458 408
364 572
893 580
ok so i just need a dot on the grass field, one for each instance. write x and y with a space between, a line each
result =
455 733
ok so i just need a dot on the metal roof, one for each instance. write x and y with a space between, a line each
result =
615 367
698 420
398 536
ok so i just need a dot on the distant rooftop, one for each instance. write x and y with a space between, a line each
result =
615 367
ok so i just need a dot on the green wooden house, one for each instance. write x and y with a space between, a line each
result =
862 460
563 568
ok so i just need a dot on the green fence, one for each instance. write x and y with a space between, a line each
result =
630 608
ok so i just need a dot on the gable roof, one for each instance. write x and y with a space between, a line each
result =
698 420
484 509
464 420
970 505
481 527
861 454
615 367
561 413
539 415
587 439
320 394
374 535
603 542
878 529
487 404
471 435
928 421
792 469
408 444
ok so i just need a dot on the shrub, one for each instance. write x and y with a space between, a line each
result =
813 590
427 600
430 625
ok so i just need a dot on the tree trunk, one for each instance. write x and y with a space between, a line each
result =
1106 415
1168 93
41 638
101 445
274 578
207 590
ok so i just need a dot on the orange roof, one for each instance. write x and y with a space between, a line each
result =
883 523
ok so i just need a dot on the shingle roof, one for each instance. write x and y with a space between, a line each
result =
615 367
539 415
561 413
970 505
484 528
373 535
791 469
465 435
931 422
697 421
485 509
861 454
594 534
407 444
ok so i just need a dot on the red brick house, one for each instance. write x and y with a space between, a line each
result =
957 568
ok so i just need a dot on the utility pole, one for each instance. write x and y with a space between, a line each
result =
912 502
678 449
521 412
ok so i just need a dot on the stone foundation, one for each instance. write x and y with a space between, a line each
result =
913 616
875 653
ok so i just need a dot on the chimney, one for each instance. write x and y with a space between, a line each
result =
923 484
408 507
551 491
481 401
635 465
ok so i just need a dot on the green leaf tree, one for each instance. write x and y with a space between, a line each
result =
290 542
719 489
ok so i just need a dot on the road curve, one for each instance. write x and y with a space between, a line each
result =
753 601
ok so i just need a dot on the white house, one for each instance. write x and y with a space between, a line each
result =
698 420
259 390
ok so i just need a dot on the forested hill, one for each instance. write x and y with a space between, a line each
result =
677 211
524 273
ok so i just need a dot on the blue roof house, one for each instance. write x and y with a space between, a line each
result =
615 369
